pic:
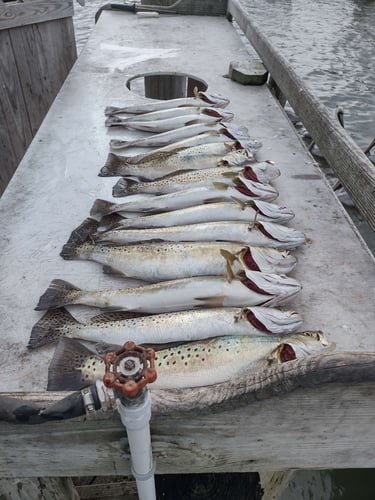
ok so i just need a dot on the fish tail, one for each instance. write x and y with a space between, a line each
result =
101 208
80 235
120 144
112 121
124 186
111 110
49 328
63 374
108 221
58 294
113 166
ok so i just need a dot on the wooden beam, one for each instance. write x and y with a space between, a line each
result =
14 14
349 163
217 429
38 488
226 441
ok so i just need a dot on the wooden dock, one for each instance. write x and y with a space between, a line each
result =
327 426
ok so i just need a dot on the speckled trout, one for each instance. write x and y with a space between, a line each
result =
158 163
207 115
267 234
247 288
195 134
235 210
263 172
185 198
193 364
200 99
161 261
167 327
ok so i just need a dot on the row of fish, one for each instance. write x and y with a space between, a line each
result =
198 226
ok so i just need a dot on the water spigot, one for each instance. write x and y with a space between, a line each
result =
129 369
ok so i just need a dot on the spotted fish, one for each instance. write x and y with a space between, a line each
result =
194 364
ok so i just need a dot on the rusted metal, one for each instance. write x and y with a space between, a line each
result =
129 369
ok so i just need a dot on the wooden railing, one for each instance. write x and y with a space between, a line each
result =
349 163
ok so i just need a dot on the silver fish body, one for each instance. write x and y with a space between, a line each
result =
173 112
263 172
161 163
197 133
250 288
149 203
266 234
161 261
211 212
174 122
200 99
194 364
167 327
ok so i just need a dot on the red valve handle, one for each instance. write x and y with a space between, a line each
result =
129 369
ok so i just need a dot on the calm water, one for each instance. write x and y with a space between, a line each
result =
330 43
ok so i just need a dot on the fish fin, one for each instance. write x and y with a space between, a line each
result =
119 144
101 208
112 121
78 236
113 166
230 259
218 199
214 301
220 185
192 122
112 271
49 328
98 348
174 173
229 175
124 186
239 202
110 110
63 372
57 295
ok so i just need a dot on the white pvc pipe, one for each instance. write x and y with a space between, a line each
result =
136 420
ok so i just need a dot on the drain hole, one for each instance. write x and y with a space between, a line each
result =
165 85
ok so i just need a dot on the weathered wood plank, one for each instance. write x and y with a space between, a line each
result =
15 130
46 488
345 157
44 55
235 441
228 441
14 14
100 489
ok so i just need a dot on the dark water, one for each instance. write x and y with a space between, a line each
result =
330 43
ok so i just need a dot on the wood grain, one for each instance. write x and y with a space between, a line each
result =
15 131
45 53
33 11
221 428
